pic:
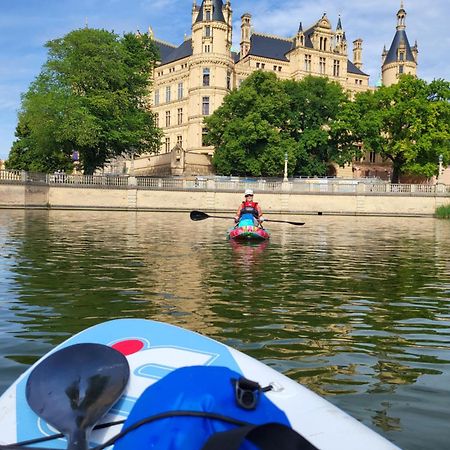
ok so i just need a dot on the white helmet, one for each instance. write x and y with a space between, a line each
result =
248 192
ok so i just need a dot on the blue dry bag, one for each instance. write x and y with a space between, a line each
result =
208 392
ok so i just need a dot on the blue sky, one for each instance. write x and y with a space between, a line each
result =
26 25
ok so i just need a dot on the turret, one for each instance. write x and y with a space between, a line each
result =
246 25
383 55
195 10
401 58
212 29
415 51
340 37
300 36
357 53
401 18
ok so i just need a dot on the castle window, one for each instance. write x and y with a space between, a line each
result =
167 118
180 91
336 67
372 157
401 56
207 48
322 65
180 141
208 15
207 31
157 97
257 65
263 65
180 116
205 106
168 94
229 80
156 119
167 145
307 63
400 69
204 134
206 76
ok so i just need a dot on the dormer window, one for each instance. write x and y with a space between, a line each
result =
401 56
208 15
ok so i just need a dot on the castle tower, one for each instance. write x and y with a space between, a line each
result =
211 65
357 53
300 38
246 26
400 59
340 38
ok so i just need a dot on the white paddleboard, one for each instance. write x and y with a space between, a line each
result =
153 350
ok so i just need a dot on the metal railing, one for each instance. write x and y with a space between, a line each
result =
221 184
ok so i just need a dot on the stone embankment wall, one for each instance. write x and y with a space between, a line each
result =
133 198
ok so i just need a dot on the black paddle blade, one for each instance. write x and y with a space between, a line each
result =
198 215
75 387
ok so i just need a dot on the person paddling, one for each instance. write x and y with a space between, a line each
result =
248 206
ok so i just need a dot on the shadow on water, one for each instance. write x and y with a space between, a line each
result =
354 308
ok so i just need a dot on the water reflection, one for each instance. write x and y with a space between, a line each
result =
248 255
355 308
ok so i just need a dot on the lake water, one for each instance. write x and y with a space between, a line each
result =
355 308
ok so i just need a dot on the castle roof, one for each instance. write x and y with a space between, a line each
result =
265 46
171 53
400 40
165 49
271 47
217 12
351 68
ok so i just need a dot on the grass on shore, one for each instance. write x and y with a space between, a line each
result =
443 212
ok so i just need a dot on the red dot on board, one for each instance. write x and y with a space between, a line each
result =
129 346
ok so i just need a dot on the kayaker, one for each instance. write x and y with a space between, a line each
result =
248 206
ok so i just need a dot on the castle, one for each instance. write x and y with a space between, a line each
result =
192 79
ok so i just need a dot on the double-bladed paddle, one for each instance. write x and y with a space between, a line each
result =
199 215
73 388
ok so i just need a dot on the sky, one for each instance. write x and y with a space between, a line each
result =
26 25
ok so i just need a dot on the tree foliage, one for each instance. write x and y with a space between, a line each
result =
89 98
314 104
407 123
267 118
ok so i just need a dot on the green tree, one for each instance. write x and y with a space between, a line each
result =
314 105
407 123
245 128
89 97
266 118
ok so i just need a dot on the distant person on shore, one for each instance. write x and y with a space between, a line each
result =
248 206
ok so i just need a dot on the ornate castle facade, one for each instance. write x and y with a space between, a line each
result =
192 79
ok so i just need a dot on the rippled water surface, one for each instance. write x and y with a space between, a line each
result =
357 309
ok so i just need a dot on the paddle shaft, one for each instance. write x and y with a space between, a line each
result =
199 215
78 440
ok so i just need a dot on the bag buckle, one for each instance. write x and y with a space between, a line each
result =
246 392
